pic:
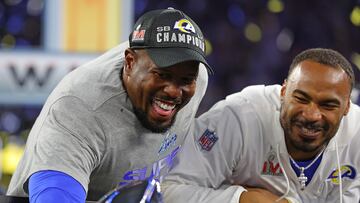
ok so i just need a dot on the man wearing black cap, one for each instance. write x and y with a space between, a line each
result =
118 118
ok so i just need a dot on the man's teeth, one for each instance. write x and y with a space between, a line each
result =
309 131
165 106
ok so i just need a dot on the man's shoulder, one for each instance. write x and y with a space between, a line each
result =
95 82
258 103
351 120
258 95
349 130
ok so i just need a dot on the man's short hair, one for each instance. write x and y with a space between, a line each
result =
327 57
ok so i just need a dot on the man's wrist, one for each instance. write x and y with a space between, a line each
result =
291 200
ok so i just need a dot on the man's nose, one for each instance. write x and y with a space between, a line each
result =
173 90
312 112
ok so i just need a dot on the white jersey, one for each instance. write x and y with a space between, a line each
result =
240 142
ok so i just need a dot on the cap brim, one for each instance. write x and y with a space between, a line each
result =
165 57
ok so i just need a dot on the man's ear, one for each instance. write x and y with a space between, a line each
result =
347 108
130 57
283 89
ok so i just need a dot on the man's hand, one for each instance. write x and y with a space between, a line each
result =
258 195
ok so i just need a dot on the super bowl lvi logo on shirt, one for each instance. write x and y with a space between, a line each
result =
271 165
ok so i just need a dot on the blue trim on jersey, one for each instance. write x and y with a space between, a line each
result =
54 186
309 173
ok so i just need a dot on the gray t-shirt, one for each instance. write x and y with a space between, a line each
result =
87 129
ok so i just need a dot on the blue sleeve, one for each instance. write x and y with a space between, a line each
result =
54 186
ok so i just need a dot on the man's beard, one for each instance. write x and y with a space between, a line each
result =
303 145
142 117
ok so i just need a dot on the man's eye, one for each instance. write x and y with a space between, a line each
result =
163 75
329 106
188 80
300 99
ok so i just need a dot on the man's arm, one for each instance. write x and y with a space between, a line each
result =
54 186
208 157
258 195
213 149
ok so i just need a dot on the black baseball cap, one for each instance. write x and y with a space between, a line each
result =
169 37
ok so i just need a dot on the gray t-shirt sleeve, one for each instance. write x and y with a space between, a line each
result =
70 140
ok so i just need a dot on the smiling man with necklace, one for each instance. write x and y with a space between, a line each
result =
292 143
